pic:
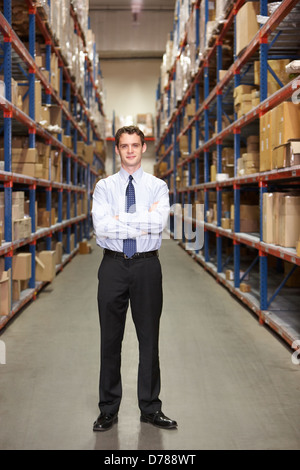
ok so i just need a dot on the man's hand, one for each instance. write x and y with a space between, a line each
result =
154 206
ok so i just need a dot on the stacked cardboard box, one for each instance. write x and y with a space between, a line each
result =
277 128
227 164
243 99
255 98
46 218
21 224
281 219
285 123
246 25
289 221
265 132
249 161
40 60
206 28
286 155
14 90
23 98
55 170
145 123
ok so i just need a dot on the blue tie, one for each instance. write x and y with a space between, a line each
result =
129 245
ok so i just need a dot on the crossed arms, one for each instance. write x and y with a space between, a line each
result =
146 221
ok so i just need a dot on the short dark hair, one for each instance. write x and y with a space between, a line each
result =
129 130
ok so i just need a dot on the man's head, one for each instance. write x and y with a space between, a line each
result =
129 130
130 145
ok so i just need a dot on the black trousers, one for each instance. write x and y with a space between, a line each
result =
138 281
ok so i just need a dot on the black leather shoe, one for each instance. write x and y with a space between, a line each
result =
158 419
104 422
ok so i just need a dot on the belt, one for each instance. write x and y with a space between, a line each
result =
119 254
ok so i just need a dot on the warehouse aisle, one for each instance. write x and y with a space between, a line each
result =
226 380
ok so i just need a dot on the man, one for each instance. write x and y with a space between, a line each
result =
130 210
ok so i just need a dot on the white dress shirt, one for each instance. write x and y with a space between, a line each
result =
146 227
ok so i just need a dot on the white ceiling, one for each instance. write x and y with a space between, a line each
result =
122 4
119 34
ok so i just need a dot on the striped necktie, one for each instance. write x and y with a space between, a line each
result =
129 245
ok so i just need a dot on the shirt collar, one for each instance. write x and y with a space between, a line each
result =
137 175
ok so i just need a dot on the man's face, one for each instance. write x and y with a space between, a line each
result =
130 151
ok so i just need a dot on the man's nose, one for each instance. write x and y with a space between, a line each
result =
130 148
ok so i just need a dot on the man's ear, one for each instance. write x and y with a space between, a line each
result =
144 148
117 150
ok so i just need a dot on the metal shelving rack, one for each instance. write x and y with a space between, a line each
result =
80 176
271 41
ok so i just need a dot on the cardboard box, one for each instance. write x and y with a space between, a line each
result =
184 144
67 141
21 266
213 173
229 275
45 116
55 114
245 287
289 221
246 25
16 290
85 248
285 123
80 148
286 155
45 267
5 293
265 132
58 252
23 99
241 90
268 218
35 170
89 154
44 218
190 108
21 228
225 223
99 146
277 196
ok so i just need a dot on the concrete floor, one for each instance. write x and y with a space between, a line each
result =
227 380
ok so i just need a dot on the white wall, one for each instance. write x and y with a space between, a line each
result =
130 90
130 86
131 60
115 32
